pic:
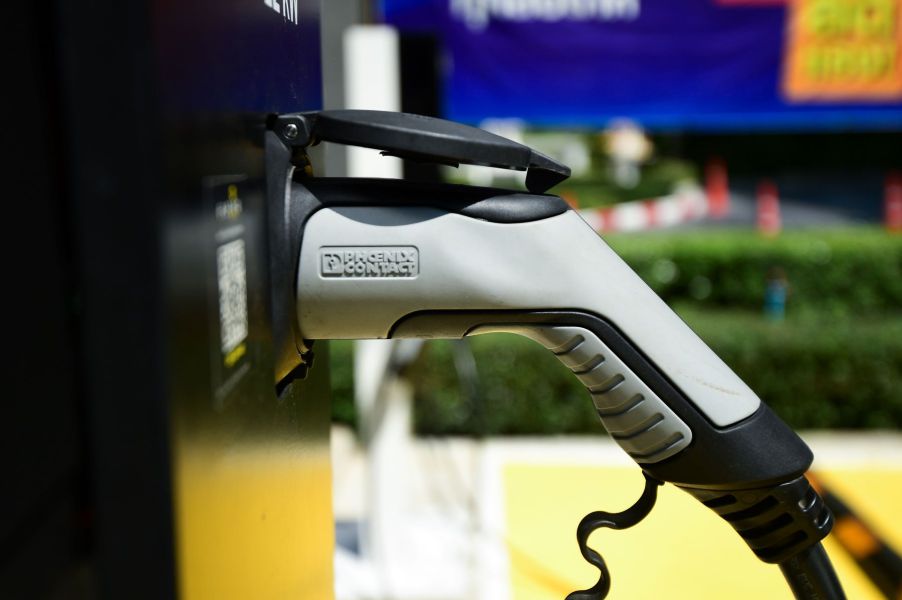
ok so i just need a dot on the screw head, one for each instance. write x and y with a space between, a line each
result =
291 131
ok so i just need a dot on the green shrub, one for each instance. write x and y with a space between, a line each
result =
840 273
597 190
815 373
835 362
341 355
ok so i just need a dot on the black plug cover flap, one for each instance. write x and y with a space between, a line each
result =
422 138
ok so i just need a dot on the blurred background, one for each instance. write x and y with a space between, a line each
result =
745 158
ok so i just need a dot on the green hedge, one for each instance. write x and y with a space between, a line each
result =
814 373
835 362
844 272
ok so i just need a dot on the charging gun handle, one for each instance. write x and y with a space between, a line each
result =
667 399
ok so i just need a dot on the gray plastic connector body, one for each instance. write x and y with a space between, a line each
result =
362 269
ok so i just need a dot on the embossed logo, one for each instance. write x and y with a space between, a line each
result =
369 261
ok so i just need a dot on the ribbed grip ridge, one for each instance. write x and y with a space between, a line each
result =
638 420
776 522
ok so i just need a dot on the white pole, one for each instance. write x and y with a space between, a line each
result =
372 81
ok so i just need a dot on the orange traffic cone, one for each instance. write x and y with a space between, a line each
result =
768 201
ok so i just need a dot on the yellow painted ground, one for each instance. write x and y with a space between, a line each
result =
682 550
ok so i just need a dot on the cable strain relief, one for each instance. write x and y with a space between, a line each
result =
777 522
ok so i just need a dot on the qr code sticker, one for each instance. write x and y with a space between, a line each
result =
232 273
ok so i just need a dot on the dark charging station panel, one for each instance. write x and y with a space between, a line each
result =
146 450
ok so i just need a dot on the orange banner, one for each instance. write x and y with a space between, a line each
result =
843 50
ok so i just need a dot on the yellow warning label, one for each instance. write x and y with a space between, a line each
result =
235 355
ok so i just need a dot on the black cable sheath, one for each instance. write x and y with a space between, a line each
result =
622 520
811 576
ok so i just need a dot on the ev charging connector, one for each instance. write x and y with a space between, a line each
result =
373 258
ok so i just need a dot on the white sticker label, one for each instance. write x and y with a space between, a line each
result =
232 274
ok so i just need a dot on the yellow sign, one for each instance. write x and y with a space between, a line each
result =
840 50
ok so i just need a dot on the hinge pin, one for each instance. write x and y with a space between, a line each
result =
291 131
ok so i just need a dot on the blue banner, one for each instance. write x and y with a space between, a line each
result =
668 64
